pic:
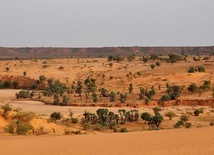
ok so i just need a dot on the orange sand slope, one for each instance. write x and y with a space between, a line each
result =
181 141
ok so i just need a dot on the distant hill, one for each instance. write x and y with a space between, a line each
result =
49 52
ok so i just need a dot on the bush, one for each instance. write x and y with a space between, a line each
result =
56 115
25 117
123 130
158 64
192 69
192 87
74 120
6 108
61 67
212 123
188 125
23 94
197 112
146 116
165 97
152 66
86 126
201 69
10 128
170 114
15 84
22 128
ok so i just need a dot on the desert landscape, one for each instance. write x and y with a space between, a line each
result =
150 104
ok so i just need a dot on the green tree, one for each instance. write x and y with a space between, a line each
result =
7 69
130 88
65 100
112 96
192 87
156 120
146 116
6 108
79 88
170 114
24 73
152 66
123 97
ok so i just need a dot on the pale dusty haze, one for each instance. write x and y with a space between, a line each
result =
97 23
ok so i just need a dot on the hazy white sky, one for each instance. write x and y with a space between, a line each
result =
98 23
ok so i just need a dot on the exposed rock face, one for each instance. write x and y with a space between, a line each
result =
22 82
209 102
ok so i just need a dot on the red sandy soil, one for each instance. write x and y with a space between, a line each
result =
196 141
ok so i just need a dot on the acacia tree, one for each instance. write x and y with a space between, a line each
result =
170 114
112 96
7 69
146 116
78 89
6 108
123 97
130 88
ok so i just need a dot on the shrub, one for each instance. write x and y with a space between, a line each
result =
86 126
156 110
56 115
95 99
15 84
7 69
61 67
188 125
192 69
146 116
123 130
183 122
165 97
74 120
192 87
6 108
65 100
158 64
156 120
24 73
170 114
110 64
152 66
196 112
10 128
206 84
23 94
212 123
25 117
22 128
123 97
201 69
42 78
112 96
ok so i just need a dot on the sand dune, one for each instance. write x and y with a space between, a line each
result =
177 142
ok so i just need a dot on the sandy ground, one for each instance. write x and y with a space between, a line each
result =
177 142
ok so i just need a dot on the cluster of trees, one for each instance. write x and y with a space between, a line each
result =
116 58
153 120
110 119
183 122
196 69
172 93
25 94
146 94
194 88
